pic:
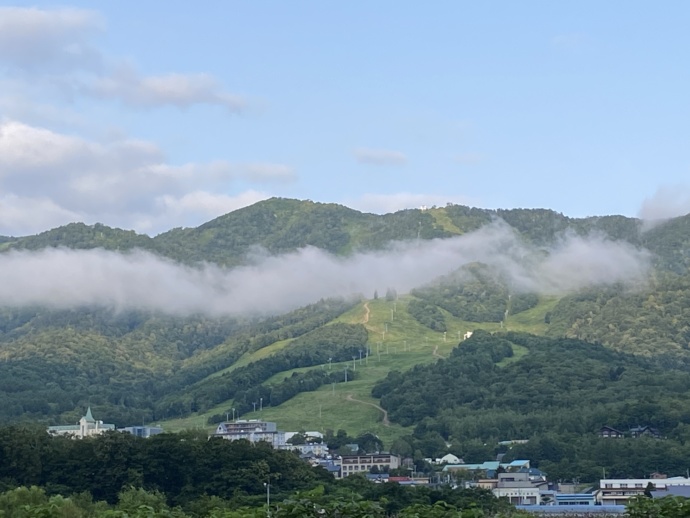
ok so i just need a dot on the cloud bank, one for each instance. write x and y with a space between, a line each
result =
62 278
63 178
666 203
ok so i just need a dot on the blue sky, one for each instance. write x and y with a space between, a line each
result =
153 115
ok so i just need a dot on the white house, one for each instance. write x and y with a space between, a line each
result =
518 489
86 427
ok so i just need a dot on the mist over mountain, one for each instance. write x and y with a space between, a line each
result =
288 253
63 278
141 326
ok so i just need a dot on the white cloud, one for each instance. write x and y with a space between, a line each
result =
181 90
379 156
138 280
126 183
198 206
20 216
56 39
667 202
385 203
56 45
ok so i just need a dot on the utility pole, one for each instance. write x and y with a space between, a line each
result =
354 363
329 363
233 414
345 374
261 404
268 499
254 403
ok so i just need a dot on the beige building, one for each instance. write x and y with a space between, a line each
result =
86 427
351 464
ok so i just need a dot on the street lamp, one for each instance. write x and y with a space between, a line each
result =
233 414
254 403
268 498
261 404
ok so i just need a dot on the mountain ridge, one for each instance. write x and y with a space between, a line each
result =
123 362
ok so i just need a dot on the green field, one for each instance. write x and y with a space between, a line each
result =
396 341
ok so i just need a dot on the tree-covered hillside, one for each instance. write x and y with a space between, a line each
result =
55 363
280 225
134 365
557 394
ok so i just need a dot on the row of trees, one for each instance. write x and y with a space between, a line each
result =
333 343
188 475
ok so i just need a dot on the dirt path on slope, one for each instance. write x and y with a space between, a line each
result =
365 320
385 420
435 353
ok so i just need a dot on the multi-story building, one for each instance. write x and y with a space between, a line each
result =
518 488
252 430
619 491
86 427
351 464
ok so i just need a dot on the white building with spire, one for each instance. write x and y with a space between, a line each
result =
86 427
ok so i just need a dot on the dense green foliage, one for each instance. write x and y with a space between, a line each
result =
180 475
55 363
667 507
650 319
427 314
475 293
558 396
182 466
338 342
133 366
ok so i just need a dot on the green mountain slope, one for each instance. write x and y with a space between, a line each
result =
134 366
558 394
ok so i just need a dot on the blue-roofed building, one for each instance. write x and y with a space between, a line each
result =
573 510
575 499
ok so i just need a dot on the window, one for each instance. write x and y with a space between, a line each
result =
608 486
624 486
638 485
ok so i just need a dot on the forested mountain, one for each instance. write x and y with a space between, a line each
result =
281 225
558 394
135 366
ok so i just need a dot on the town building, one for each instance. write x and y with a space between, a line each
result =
252 430
608 432
619 491
86 427
351 464
519 489
142 431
